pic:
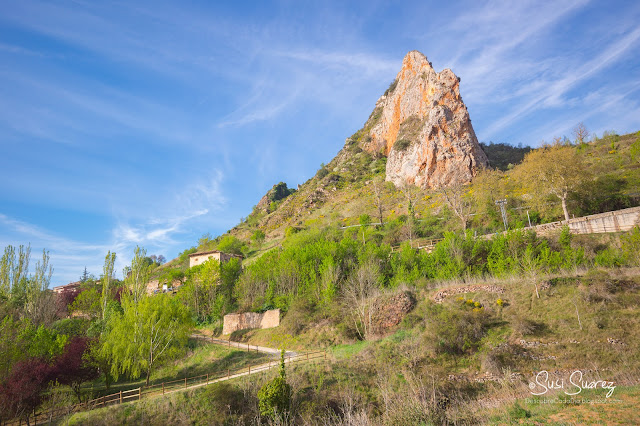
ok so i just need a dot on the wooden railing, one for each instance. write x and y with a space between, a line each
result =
158 389
420 244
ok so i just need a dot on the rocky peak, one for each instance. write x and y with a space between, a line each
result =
422 125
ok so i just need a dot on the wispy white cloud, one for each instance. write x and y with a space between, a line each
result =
553 91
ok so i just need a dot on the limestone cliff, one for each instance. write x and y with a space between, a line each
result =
423 127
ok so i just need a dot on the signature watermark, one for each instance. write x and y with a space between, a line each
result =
574 385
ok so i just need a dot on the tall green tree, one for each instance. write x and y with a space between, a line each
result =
107 277
147 332
137 275
553 170
14 269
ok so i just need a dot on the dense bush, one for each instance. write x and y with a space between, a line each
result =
458 331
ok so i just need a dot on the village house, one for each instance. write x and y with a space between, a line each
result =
203 256
67 287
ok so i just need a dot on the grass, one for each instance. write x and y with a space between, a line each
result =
201 358
403 365
348 351
589 407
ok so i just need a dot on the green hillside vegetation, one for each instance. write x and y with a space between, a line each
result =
339 258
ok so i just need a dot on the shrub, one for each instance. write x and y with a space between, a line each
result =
517 412
631 246
502 357
458 332
391 88
402 144
525 326
609 258
275 396
322 172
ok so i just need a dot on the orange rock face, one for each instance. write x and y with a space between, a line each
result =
424 128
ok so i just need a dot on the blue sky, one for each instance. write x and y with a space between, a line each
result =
153 123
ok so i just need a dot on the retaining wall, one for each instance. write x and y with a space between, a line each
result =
234 322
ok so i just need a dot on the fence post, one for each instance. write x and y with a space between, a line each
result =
120 397
163 388
185 382
228 373
139 394
207 378
247 347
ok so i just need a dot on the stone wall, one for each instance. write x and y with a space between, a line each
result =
616 221
245 320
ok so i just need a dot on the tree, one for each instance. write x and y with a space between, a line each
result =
38 283
72 367
581 133
137 275
13 271
365 220
552 170
359 293
201 292
231 244
107 277
85 275
258 237
21 392
274 398
378 198
458 199
410 194
149 330
88 304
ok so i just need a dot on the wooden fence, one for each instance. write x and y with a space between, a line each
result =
45 416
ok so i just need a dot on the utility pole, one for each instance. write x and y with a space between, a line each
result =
503 209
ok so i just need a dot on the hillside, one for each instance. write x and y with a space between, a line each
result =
434 307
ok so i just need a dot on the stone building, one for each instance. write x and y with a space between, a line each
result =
201 257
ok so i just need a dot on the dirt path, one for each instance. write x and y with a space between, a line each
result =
244 346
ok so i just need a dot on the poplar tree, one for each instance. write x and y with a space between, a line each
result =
107 276
137 275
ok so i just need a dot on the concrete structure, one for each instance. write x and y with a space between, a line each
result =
234 322
615 221
203 256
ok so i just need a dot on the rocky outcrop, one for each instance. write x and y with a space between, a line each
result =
450 291
423 127
388 311
278 192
